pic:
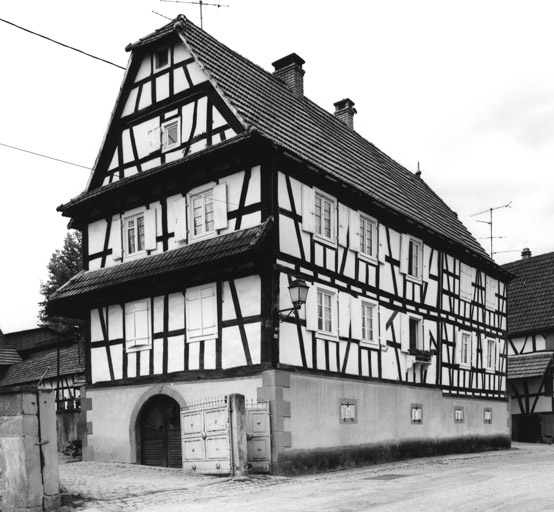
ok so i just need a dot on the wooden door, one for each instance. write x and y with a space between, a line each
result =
160 427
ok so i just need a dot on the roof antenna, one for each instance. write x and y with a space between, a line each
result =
200 3
418 172
162 15
489 222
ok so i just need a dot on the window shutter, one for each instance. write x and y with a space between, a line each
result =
150 229
354 242
311 310
457 347
404 253
335 314
115 237
130 335
382 328
180 214
357 319
382 245
497 352
473 349
346 302
308 209
425 336
404 333
343 223
154 139
220 206
425 260
194 314
209 311
142 331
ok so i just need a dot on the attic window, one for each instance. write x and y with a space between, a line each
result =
161 58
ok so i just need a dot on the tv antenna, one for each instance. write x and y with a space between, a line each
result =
201 4
489 222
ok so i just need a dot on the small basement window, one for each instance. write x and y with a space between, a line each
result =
416 413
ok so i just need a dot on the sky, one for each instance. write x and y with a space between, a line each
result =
465 88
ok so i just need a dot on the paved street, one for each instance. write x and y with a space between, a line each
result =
516 480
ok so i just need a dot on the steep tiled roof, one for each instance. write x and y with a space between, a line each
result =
529 365
237 243
35 338
531 294
8 355
45 363
299 125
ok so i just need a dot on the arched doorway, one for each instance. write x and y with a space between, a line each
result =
160 432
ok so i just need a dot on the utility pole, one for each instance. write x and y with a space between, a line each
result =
201 4
489 222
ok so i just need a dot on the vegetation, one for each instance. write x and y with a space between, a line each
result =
63 265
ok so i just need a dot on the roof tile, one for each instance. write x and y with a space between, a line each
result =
529 365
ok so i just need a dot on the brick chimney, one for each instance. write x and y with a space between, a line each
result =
289 70
526 253
344 110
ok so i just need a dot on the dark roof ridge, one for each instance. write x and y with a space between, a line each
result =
523 261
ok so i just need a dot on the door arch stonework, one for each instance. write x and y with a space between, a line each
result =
135 420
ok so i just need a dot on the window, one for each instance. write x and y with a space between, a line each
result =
368 322
201 310
324 311
491 354
161 58
171 134
411 257
324 216
458 414
467 278
202 208
415 334
487 416
134 234
465 349
368 237
416 413
415 259
137 326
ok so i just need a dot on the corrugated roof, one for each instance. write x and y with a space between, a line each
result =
45 363
529 365
206 251
264 104
531 294
8 355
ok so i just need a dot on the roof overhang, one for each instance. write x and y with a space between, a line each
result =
168 272
524 366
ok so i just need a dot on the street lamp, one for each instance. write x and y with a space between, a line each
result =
298 290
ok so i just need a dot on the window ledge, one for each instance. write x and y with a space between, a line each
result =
326 241
326 336
369 259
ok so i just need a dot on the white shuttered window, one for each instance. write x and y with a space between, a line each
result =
201 309
137 326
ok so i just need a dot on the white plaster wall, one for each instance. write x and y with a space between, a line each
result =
112 409
384 413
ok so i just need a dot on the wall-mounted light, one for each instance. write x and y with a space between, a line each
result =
298 290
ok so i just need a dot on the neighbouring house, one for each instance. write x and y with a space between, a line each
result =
50 359
217 186
531 346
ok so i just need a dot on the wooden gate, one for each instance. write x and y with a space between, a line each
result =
258 435
160 433
207 437
206 447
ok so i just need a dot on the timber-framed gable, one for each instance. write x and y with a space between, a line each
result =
213 192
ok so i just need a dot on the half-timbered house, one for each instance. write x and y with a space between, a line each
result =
531 346
216 186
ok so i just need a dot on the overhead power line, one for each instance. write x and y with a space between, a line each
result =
45 156
62 44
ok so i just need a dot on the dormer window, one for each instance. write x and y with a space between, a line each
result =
161 58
